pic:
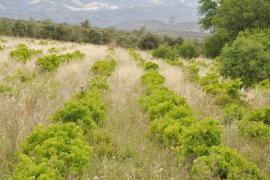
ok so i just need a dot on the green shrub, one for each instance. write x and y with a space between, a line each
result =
53 152
21 75
2 48
159 110
102 143
52 62
159 95
152 78
165 52
166 131
99 82
5 89
256 124
233 112
192 73
181 112
49 63
210 78
188 50
74 56
43 42
77 112
175 63
225 92
199 137
93 100
148 66
104 68
23 53
225 163
248 57
53 50
263 85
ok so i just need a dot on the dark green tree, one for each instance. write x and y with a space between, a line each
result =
248 57
226 18
188 50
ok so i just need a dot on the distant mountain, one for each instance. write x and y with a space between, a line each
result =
104 13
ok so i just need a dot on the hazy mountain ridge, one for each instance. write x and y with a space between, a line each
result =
104 13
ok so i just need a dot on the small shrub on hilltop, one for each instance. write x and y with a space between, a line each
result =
256 124
248 57
199 137
54 152
23 53
165 52
148 66
104 68
225 163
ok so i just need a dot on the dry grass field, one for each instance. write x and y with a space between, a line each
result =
36 95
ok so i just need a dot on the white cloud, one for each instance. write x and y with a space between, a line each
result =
93 6
32 2
2 7
156 1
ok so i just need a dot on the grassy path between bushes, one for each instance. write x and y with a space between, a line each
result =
139 157
203 106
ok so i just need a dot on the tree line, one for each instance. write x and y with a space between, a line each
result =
85 33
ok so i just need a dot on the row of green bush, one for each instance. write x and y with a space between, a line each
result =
227 93
23 53
61 150
52 62
173 124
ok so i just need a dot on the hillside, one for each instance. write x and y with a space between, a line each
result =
82 111
104 13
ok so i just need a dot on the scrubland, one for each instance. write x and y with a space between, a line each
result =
138 137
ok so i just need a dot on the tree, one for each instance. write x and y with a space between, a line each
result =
149 41
226 18
188 50
85 24
248 57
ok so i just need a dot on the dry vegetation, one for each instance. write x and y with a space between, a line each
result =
35 98
32 102
203 105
